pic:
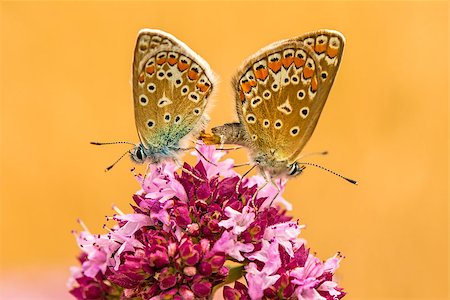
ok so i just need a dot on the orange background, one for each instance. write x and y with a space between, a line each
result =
65 80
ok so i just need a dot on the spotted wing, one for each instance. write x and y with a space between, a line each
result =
280 95
171 86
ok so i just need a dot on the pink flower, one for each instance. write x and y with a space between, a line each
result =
99 250
183 229
221 168
238 221
286 235
229 244
258 281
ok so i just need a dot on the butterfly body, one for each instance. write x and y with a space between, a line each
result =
280 93
171 89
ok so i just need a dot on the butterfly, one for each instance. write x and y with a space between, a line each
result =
171 90
280 92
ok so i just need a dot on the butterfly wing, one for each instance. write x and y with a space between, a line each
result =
328 46
171 87
280 94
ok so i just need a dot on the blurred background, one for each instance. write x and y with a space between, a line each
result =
66 80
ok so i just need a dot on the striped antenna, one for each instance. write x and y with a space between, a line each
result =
330 171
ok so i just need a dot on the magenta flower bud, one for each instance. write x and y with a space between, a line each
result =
188 253
230 294
202 288
167 279
170 294
182 218
217 262
190 271
158 259
205 268
186 293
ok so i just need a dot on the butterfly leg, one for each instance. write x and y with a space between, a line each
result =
238 185
241 165
200 153
180 165
259 189
278 191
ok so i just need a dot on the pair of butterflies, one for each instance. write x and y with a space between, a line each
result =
280 92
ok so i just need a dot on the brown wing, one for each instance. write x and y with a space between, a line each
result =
328 46
280 94
171 86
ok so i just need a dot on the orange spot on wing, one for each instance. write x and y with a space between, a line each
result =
192 75
275 66
320 48
172 61
160 61
141 77
332 52
241 96
261 74
252 83
182 66
150 69
314 84
246 86
202 87
308 72
287 61
298 62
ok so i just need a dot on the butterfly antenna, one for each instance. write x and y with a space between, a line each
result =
313 153
330 171
111 166
111 143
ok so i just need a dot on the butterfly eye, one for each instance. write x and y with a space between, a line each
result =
143 100
304 112
301 95
140 154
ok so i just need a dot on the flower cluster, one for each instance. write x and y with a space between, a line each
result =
192 233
